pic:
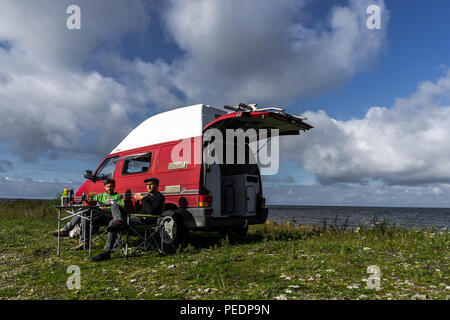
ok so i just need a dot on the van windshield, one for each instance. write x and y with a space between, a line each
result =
107 169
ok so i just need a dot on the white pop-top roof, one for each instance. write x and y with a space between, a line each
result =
172 125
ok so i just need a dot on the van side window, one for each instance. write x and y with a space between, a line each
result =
138 165
107 169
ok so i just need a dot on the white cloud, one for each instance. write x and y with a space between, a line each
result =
254 51
48 102
38 28
405 144
262 50
235 51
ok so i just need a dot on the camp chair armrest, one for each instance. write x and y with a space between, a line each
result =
145 215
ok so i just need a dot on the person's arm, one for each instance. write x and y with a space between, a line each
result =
100 198
138 202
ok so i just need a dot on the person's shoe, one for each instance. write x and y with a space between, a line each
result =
79 247
101 257
62 233
117 226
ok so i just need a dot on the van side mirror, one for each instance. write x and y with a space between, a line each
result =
88 175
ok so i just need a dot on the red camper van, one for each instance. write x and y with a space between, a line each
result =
199 196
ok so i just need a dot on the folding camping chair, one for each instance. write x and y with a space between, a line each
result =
156 233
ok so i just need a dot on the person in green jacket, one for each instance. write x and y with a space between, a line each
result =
101 216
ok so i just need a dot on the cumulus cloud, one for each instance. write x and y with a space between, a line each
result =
263 51
38 28
233 51
404 144
48 103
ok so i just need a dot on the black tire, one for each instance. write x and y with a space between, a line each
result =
172 230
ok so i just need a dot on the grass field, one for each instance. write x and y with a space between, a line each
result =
271 262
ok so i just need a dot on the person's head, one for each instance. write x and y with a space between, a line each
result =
110 184
152 184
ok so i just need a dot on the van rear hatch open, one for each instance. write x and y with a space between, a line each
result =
287 124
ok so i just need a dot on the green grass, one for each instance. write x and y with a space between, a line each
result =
271 262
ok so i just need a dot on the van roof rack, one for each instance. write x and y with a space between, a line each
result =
252 107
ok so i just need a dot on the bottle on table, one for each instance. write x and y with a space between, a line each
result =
64 198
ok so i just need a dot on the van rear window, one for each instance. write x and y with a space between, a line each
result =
135 166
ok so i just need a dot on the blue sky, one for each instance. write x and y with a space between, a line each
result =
416 50
378 99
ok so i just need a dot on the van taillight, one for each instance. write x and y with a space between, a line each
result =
204 201
263 202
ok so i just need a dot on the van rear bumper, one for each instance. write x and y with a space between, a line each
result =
196 218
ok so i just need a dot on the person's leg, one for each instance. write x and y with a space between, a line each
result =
64 231
112 237
118 213
119 217
72 223
110 242
99 218
103 218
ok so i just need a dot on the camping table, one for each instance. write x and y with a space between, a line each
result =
85 213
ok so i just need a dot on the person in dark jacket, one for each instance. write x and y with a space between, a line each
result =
152 203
